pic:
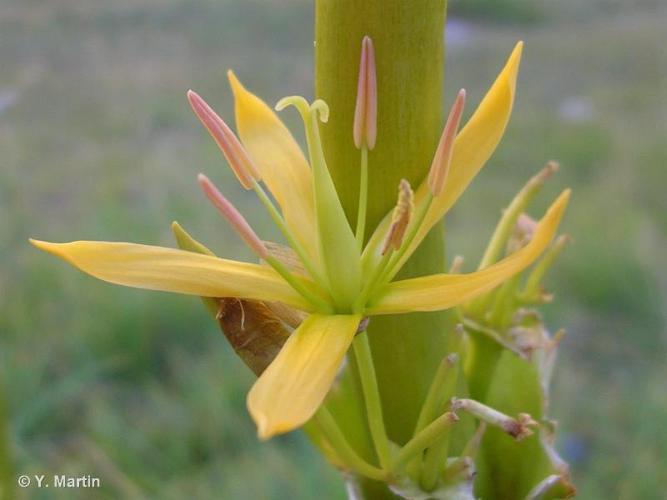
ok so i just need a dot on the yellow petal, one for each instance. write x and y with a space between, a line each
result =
441 291
473 146
280 161
171 270
294 385
477 141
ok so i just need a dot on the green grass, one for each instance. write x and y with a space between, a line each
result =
141 389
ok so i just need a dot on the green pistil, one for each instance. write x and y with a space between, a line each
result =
337 243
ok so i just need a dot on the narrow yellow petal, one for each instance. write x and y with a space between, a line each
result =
294 385
279 160
473 146
477 141
171 270
441 291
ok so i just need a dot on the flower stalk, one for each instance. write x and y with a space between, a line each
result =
410 87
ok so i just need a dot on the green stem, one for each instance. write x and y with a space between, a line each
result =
435 459
362 352
442 383
443 387
427 437
343 448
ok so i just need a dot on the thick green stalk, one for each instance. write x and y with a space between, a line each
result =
408 39
481 364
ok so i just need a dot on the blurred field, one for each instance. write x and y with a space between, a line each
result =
97 142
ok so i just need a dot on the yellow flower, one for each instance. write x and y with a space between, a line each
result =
342 283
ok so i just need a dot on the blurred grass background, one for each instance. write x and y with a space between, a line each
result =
97 142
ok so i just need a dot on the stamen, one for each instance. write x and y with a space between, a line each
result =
365 113
365 128
443 155
233 216
363 199
518 428
231 147
400 218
